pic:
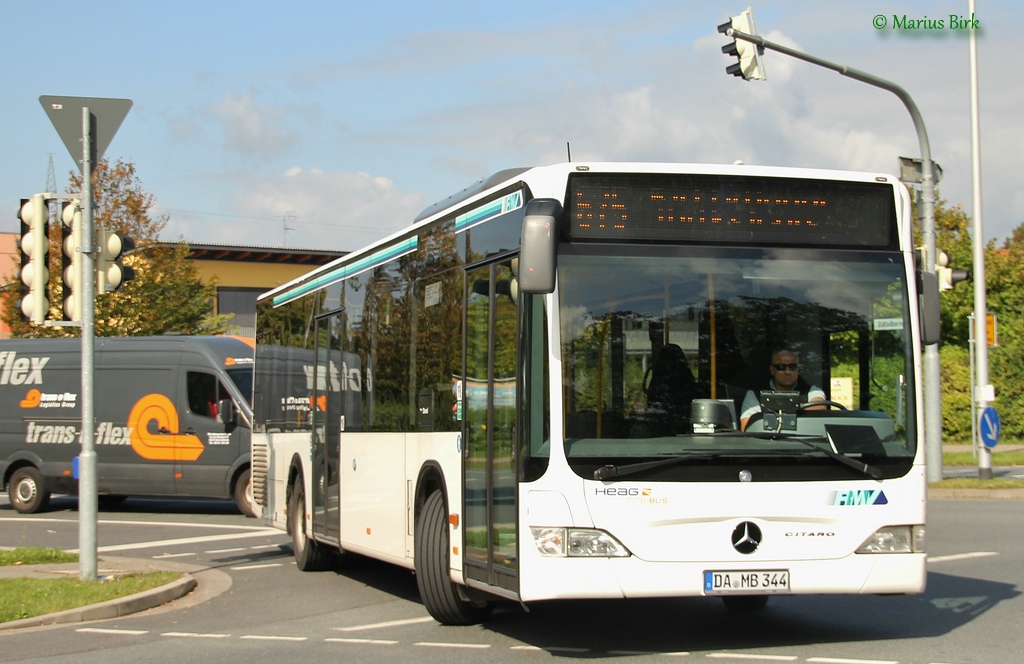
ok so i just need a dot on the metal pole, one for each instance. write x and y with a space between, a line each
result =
932 389
984 391
87 498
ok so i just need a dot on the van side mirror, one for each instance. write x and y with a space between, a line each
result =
226 413
537 249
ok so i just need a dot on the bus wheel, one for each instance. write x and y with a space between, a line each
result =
440 595
309 556
27 490
738 603
243 493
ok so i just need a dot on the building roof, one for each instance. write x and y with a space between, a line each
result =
252 254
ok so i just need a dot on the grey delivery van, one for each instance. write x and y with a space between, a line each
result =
173 418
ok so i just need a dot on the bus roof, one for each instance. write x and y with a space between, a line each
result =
549 181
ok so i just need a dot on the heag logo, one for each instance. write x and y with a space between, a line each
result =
152 414
16 370
616 491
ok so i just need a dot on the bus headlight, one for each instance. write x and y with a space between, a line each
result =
577 543
895 539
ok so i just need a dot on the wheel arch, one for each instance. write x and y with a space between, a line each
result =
431 478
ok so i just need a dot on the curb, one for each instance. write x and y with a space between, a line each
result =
113 608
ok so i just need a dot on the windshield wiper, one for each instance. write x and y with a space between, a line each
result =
863 468
608 472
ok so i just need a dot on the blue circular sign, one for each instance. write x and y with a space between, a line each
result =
989 427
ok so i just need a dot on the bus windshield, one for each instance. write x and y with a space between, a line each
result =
664 349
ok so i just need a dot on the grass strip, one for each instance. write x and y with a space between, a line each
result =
34 555
29 597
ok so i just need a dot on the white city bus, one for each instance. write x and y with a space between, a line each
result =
531 393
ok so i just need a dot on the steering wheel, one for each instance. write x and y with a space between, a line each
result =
811 404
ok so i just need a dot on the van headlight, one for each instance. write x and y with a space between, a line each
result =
577 543
895 539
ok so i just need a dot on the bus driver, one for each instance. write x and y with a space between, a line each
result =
785 371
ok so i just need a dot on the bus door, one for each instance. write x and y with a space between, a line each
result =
328 422
490 412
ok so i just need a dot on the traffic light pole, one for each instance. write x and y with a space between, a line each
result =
88 501
932 394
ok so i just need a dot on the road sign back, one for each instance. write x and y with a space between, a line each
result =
66 115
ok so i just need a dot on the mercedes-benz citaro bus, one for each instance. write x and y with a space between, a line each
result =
534 392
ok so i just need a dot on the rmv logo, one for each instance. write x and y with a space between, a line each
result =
860 497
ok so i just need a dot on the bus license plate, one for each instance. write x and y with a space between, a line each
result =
746 582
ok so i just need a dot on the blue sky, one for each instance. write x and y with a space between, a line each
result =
331 125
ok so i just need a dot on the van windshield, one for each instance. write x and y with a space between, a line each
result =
242 378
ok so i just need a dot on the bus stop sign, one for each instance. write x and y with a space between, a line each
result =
989 427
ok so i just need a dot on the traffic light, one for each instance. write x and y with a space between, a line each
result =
71 261
111 273
948 277
749 67
35 259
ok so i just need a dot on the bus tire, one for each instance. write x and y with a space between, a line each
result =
742 603
27 490
243 493
309 555
439 594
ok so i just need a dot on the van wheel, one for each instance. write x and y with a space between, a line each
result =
27 490
310 556
243 493
440 595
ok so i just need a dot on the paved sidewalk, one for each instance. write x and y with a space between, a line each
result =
197 584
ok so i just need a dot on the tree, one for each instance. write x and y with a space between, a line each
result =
167 294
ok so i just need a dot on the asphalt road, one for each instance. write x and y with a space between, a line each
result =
266 609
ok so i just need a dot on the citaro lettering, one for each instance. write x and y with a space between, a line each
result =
158 410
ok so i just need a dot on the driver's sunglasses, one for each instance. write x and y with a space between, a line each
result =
786 367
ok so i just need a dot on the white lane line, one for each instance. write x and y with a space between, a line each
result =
390 623
195 635
265 546
435 644
174 555
237 548
647 653
260 637
100 630
241 567
175 524
372 642
750 657
263 532
843 660
961 556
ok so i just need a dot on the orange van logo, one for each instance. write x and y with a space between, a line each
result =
31 399
158 410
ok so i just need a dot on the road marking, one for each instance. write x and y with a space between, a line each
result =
237 548
841 660
435 644
241 567
647 653
961 556
391 623
196 635
99 630
747 656
175 524
374 642
263 532
259 637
